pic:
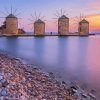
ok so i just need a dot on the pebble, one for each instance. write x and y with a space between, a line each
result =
4 83
20 81
4 92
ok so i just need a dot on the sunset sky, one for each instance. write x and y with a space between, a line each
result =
89 8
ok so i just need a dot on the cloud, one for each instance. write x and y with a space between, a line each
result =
95 5
94 21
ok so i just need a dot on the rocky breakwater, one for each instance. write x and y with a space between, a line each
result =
20 81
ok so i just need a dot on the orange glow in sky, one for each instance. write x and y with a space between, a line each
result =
94 21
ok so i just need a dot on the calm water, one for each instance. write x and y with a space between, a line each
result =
70 58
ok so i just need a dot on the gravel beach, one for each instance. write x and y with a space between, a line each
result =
19 81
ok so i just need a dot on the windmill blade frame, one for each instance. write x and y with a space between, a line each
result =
15 11
18 14
36 16
3 13
6 10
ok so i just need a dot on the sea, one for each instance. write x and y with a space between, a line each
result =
71 59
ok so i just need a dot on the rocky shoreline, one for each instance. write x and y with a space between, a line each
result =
19 81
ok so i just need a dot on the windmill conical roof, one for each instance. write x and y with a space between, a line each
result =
63 17
39 21
83 21
11 16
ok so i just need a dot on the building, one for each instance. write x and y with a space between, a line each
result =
63 25
83 28
39 27
11 25
21 31
3 28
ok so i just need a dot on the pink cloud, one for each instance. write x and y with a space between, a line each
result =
95 5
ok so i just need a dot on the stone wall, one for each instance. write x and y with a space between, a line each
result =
12 26
84 29
63 26
39 28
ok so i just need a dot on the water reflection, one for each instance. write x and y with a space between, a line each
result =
38 49
63 69
82 57
11 44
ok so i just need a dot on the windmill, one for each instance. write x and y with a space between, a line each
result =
63 22
11 21
83 25
38 23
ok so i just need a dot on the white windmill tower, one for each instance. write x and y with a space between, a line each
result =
11 22
63 23
39 24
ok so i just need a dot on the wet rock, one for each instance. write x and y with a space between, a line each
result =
84 96
93 97
73 87
73 90
4 92
51 75
4 83
93 91
1 76
63 82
